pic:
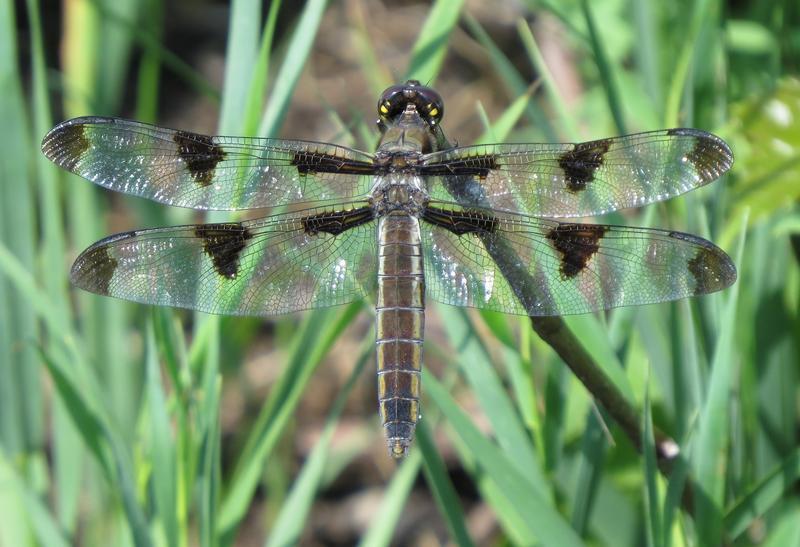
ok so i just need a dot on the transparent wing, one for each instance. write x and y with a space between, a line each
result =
574 180
530 266
267 266
203 172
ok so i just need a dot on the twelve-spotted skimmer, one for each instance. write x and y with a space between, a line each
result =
467 226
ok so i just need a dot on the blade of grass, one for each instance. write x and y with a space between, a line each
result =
475 363
208 479
589 470
296 55
441 487
16 495
652 506
240 58
605 69
710 446
385 519
512 78
683 62
647 59
566 120
542 520
149 75
428 52
763 496
258 83
294 513
323 327
103 444
162 445
21 425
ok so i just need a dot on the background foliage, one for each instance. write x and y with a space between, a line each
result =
121 424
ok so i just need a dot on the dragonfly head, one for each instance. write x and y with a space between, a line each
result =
401 98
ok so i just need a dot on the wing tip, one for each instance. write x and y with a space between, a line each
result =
94 268
710 154
712 268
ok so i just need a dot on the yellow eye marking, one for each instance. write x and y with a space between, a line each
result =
433 112
383 109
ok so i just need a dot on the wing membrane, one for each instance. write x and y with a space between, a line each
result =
266 266
574 180
203 172
531 266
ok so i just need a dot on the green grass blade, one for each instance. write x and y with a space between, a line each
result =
240 58
21 421
589 470
542 520
683 62
162 444
296 55
605 68
208 479
385 519
475 363
500 129
441 487
20 507
710 446
763 496
323 327
103 444
512 78
258 84
646 53
652 505
566 119
428 52
294 513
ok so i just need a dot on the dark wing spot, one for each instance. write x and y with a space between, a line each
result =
461 222
66 144
577 243
223 243
200 153
474 166
336 222
710 267
308 161
710 156
94 269
580 163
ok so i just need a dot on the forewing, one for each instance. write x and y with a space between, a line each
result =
203 172
574 180
267 266
537 267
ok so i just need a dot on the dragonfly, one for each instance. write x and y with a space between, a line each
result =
495 226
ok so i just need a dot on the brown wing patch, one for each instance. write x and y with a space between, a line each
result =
711 268
336 222
316 162
95 267
709 156
200 153
577 244
581 163
223 243
461 222
66 145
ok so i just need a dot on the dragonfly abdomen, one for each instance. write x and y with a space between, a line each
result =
400 316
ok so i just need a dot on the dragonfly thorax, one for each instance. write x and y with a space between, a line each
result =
398 193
